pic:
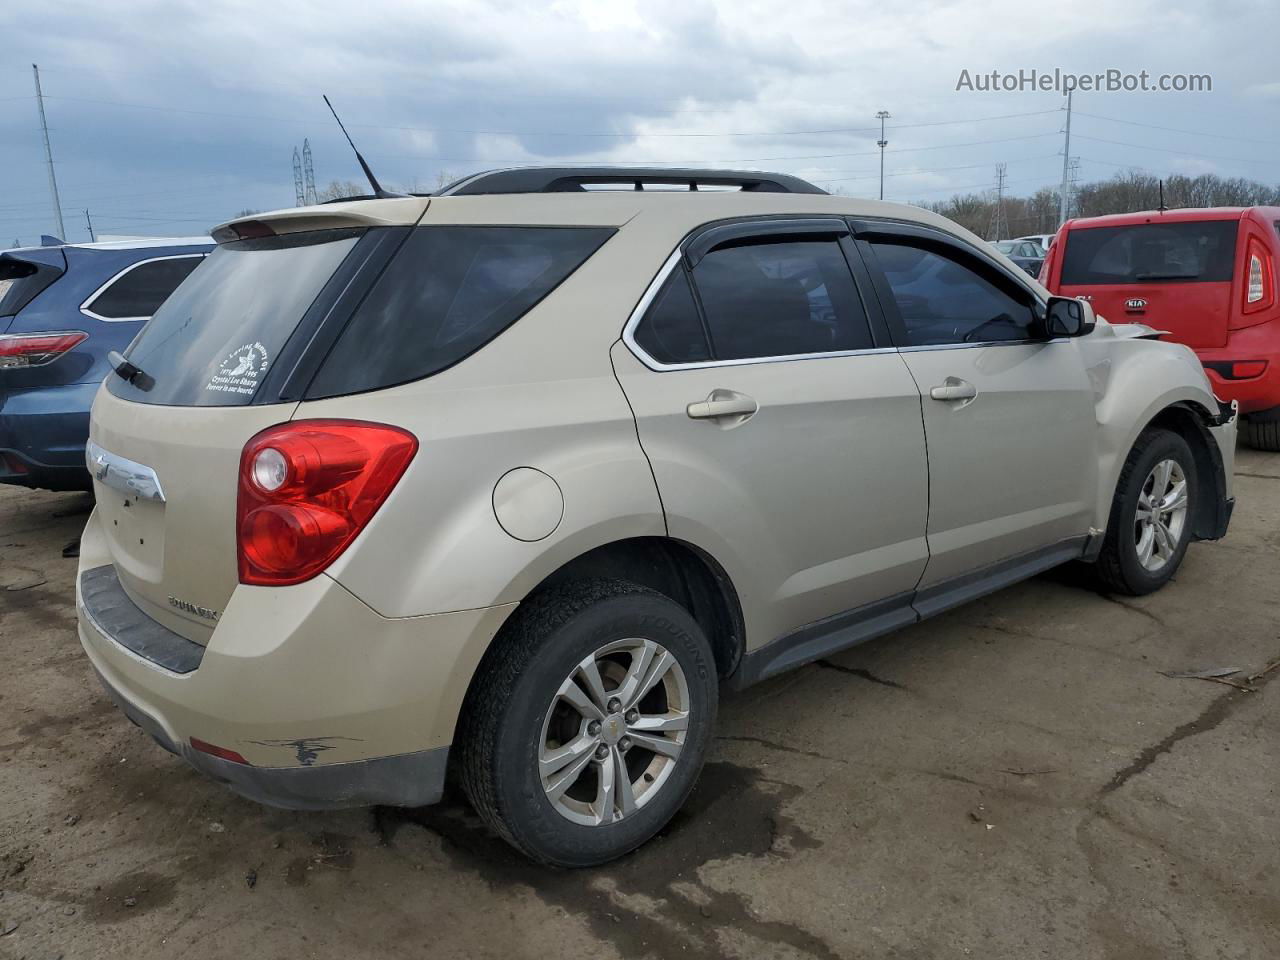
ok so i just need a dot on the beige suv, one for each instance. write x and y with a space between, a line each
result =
503 484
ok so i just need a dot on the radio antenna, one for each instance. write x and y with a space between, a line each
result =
373 181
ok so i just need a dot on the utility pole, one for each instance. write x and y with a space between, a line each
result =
298 192
883 115
997 215
89 223
48 155
1073 179
1066 166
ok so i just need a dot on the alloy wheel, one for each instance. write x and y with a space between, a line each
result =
1161 517
614 732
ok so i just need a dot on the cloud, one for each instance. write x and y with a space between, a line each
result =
184 112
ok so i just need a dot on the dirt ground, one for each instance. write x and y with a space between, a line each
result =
1014 779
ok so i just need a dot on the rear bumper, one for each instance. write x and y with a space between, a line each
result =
1254 394
43 431
328 703
407 780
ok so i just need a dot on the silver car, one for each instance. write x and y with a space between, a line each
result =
507 483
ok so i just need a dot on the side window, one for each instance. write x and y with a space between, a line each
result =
672 331
943 300
781 298
140 291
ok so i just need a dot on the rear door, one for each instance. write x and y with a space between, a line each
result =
783 429
1009 418
1173 275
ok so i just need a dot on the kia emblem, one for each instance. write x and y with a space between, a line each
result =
1135 303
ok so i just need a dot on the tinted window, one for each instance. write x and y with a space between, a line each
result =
942 300
447 292
211 343
780 299
139 292
1198 251
21 281
672 331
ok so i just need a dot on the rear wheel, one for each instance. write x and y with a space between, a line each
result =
1261 434
1151 516
590 722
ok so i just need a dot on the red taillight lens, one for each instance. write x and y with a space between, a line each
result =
307 488
36 349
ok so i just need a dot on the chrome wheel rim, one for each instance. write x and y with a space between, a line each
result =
1161 517
614 732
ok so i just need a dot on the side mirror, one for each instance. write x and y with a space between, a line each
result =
1068 317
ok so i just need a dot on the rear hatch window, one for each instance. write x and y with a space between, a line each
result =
1187 252
23 278
213 340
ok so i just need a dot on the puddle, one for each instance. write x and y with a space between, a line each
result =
731 812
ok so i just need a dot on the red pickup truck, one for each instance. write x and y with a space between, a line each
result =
1206 276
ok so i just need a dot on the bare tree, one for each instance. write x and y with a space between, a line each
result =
340 190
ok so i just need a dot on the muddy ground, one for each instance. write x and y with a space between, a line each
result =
1016 779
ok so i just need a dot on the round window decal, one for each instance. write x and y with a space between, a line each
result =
241 370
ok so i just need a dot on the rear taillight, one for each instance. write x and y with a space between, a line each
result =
307 488
20 350
1259 287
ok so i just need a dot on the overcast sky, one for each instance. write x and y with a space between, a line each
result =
167 117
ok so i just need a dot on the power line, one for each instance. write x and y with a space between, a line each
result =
1182 153
1194 133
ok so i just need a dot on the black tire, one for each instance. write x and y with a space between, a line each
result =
1118 568
1261 434
500 731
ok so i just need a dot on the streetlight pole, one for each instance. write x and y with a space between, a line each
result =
883 115
48 155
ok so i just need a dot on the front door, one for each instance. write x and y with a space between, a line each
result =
1009 416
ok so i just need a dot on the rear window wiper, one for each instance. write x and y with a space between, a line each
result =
1166 276
129 372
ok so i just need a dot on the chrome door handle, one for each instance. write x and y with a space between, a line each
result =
953 388
723 405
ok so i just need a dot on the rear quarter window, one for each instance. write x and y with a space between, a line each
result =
1200 251
138 291
447 292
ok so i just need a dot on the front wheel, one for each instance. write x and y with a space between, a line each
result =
1152 515
590 722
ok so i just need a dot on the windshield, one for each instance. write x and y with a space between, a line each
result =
212 342
1198 251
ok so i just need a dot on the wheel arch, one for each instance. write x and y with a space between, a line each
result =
685 573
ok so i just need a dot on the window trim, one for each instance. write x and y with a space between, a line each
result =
740 229
84 307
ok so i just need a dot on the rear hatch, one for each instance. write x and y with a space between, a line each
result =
205 359
1174 275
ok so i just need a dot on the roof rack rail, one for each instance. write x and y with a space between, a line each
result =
577 179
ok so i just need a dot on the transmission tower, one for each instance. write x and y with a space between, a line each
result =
998 222
308 172
1073 177
298 193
